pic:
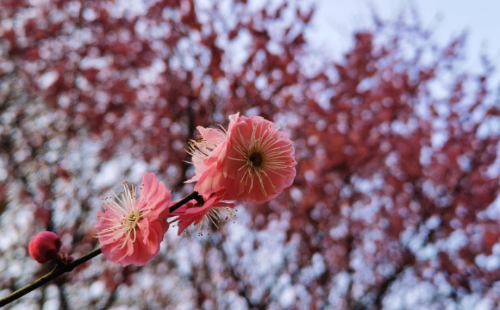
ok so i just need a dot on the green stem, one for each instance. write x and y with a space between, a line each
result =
60 270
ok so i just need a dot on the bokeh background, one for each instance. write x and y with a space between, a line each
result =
394 113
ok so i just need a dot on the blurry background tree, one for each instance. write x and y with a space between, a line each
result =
394 201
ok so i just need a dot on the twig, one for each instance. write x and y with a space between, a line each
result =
180 203
58 271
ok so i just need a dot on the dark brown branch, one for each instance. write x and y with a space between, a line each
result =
188 198
58 271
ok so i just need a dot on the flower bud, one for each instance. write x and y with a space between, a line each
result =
45 247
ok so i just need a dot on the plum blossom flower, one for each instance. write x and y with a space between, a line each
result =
260 159
212 211
131 229
252 160
45 247
209 157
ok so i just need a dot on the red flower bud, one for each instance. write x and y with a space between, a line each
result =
45 247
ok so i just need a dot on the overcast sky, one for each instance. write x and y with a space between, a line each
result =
338 18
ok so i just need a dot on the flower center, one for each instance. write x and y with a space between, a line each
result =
132 220
256 159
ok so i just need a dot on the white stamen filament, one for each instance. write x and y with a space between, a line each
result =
127 216
202 148
214 216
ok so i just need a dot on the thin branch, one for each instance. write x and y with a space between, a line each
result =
63 301
387 284
58 271
112 298
188 198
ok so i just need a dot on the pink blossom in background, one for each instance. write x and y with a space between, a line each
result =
253 160
44 247
130 230
212 211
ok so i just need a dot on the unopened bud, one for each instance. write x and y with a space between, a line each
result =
45 247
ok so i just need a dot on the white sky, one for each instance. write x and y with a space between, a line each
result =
338 18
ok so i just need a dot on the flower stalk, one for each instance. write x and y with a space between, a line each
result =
56 272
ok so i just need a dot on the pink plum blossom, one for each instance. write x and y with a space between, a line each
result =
260 160
252 160
209 157
212 211
131 229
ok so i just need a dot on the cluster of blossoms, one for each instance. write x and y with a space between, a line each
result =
251 161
